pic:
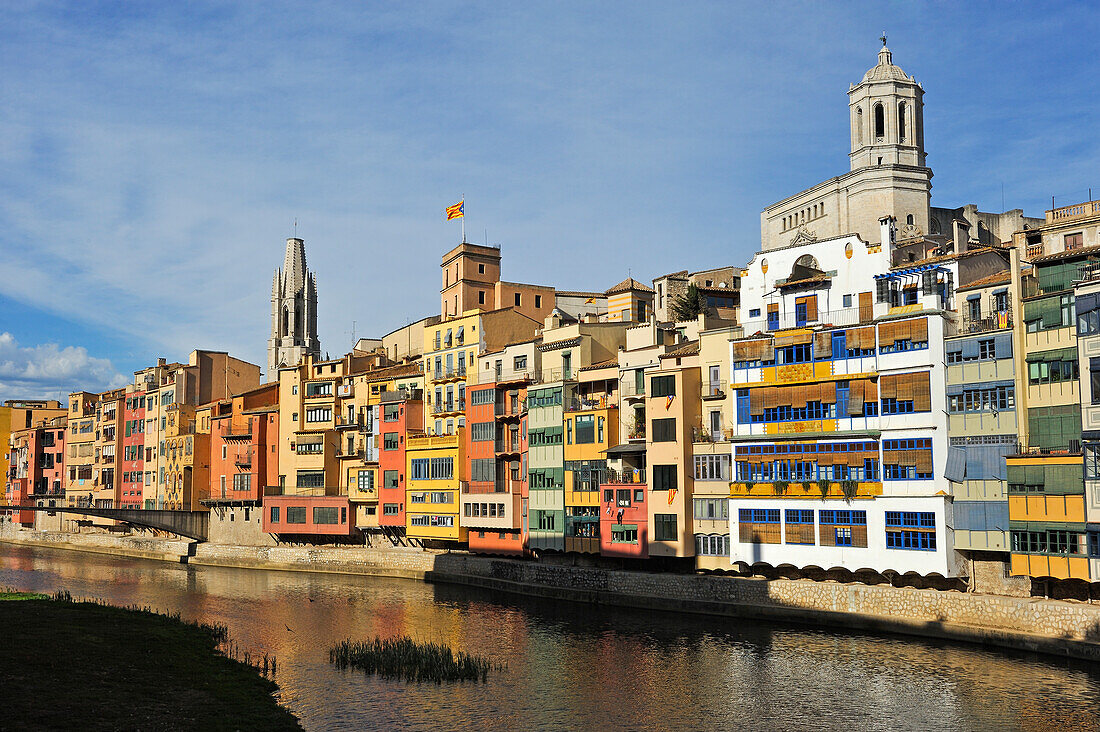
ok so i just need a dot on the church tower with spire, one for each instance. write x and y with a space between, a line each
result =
293 312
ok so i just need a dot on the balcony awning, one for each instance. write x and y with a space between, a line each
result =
631 448
1000 291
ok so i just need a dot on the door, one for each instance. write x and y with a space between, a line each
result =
715 381
866 307
716 425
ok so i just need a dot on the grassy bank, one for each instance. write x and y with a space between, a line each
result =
82 665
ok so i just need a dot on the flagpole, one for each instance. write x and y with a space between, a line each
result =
463 199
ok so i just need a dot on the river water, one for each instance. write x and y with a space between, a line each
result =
578 667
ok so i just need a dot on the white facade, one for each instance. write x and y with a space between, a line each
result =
876 556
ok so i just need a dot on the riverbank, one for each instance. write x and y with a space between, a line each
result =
96 666
137 547
1062 628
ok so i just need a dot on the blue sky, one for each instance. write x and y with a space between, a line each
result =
154 156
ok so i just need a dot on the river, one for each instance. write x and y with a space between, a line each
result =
578 667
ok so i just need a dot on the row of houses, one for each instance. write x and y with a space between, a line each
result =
886 390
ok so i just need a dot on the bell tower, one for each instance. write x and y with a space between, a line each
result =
887 116
293 312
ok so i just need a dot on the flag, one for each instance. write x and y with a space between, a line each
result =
455 211
669 404
589 301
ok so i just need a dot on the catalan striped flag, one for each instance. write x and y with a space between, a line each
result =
455 211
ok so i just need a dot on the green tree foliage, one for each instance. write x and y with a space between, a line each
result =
688 305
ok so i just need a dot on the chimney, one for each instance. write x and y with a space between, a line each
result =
162 362
886 231
960 232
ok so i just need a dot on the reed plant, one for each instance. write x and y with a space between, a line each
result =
409 660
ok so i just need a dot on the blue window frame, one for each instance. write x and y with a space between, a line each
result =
799 515
842 517
773 320
800 313
743 415
897 406
754 313
758 515
914 530
840 344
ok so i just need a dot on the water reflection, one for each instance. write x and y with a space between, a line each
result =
573 666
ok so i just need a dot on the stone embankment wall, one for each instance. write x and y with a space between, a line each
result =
388 562
1032 624
139 547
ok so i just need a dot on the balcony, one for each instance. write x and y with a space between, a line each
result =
345 453
243 460
507 447
706 435
1076 211
344 421
783 321
995 321
455 373
714 390
304 491
455 406
1073 448
624 477
506 409
632 390
587 403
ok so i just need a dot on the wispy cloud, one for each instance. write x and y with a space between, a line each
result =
50 370
153 156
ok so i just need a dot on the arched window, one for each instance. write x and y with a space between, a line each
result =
859 125
909 219
286 320
901 121
880 122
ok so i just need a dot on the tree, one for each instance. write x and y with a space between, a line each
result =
688 305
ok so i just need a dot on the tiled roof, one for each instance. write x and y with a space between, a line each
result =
601 365
629 284
807 281
997 278
392 372
947 257
1066 254
688 349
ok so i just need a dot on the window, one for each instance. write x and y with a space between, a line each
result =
519 300
585 429
663 386
664 430
799 525
711 509
880 122
319 414
317 389
847 301
911 530
519 363
843 528
391 509
987 348
664 477
538 301
482 431
1073 241
712 467
366 481
295 514
310 479
754 312
624 534
712 545
390 479
664 527
274 514
758 525
325 515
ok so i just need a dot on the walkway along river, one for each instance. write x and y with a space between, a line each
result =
578 667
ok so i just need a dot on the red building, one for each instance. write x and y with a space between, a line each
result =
244 436
494 496
624 518
308 516
133 452
36 475
402 413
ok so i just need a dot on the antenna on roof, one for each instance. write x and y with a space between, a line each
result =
295 227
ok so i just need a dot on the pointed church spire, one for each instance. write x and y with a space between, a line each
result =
293 311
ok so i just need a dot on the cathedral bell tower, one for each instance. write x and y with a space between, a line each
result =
887 110
293 312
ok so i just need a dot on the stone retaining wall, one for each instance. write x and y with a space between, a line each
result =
388 562
139 547
1033 624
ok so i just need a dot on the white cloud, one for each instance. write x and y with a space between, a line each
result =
49 370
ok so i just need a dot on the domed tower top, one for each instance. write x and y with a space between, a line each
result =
887 116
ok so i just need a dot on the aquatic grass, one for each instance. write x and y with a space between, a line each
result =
404 658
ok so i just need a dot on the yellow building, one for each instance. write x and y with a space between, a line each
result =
434 466
80 448
591 423
629 302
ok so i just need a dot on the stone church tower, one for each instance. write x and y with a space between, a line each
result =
888 175
293 312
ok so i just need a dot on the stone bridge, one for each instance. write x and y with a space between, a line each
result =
191 524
